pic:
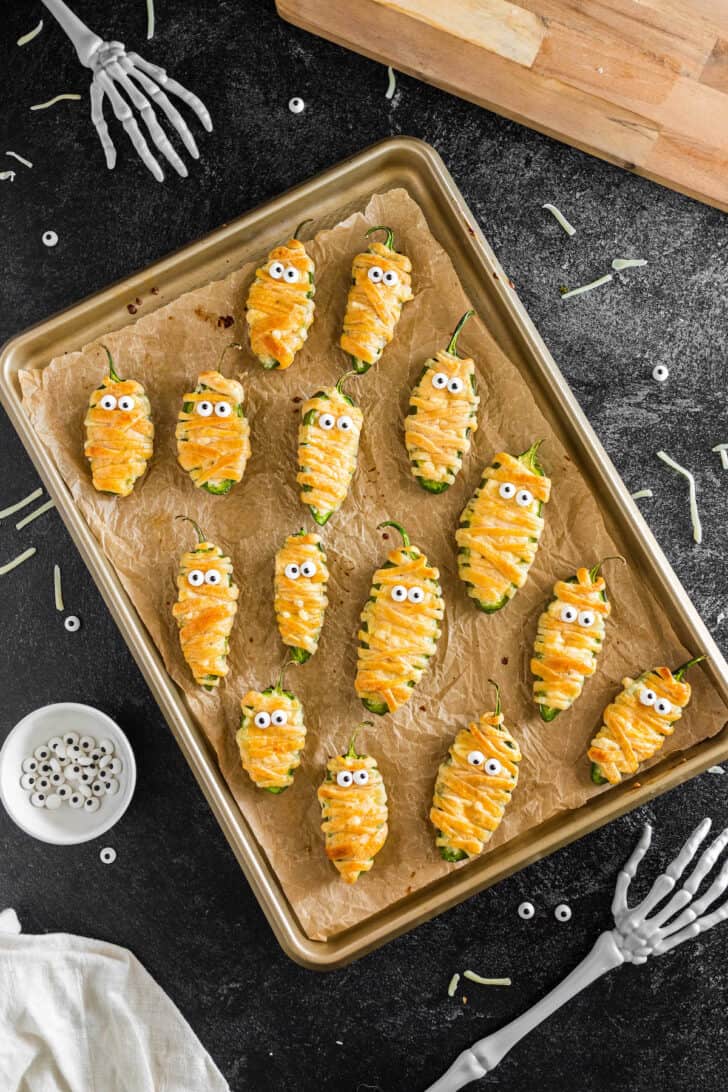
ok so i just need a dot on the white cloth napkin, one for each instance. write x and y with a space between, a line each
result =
79 1015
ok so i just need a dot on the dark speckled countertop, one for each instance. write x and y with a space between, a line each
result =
176 896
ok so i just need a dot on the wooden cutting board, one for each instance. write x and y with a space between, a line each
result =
642 83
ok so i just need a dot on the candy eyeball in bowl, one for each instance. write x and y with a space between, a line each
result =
67 773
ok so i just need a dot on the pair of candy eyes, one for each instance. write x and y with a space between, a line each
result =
662 705
523 497
327 421
293 571
277 718
281 272
110 402
376 275
454 385
585 618
345 778
399 593
220 409
490 765
196 578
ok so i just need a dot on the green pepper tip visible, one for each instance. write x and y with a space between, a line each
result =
548 713
322 518
432 486
389 241
112 370
452 855
300 655
359 366
596 774
219 490
276 789
379 708
452 344
680 671
397 527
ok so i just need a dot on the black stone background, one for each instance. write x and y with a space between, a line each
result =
176 896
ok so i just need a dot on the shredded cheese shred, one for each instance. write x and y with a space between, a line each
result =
694 514
57 589
21 504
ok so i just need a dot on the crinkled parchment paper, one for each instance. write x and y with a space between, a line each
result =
165 351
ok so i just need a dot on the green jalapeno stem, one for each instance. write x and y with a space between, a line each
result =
452 346
389 241
594 573
232 345
530 457
397 527
308 220
112 370
680 671
343 378
351 753
278 687
200 537
497 696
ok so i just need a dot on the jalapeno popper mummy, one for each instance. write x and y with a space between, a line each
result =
442 416
570 635
271 736
380 284
207 601
280 306
119 433
636 724
213 436
500 528
474 786
328 445
300 583
354 813
400 627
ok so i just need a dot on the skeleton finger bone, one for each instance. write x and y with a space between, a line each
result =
625 877
174 88
699 926
146 112
123 113
161 100
97 117
665 883
698 908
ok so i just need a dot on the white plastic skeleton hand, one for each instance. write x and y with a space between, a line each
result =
144 84
636 936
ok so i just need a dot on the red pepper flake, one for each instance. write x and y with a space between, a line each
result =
504 661
225 321
131 308
154 291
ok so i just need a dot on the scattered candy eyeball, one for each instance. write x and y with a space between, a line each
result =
569 613
562 912
526 911
49 238
361 777
344 778
296 105
660 372
72 623
107 855
507 490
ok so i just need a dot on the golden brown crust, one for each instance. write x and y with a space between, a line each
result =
373 310
205 613
271 754
213 449
279 314
440 422
300 597
119 442
354 817
327 457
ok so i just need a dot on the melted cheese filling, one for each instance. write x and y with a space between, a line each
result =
353 817
439 424
213 449
205 614
327 457
497 538
565 652
271 756
119 443
279 314
468 804
373 310
633 732
300 604
397 639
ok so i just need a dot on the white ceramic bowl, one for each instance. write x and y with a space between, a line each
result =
64 826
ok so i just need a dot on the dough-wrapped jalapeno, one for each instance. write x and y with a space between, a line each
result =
354 813
328 445
474 786
400 627
207 601
637 722
280 306
300 583
500 528
380 284
119 433
570 635
271 736
213 435
442 415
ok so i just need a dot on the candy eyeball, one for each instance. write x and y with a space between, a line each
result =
663 707
262 719
279 717
345 423
292 571
568 613
344 778
72 623
647 696
476 758
30 765
276 270
308 569
507 490
223 409
126 403
296 105
586 618
456 385
326 421
416 595
524 497
562 912
375 274
439 381
196 578
526 910
399 593
107 402
361 777
205 408
290 274
213 577
391 278
493 767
